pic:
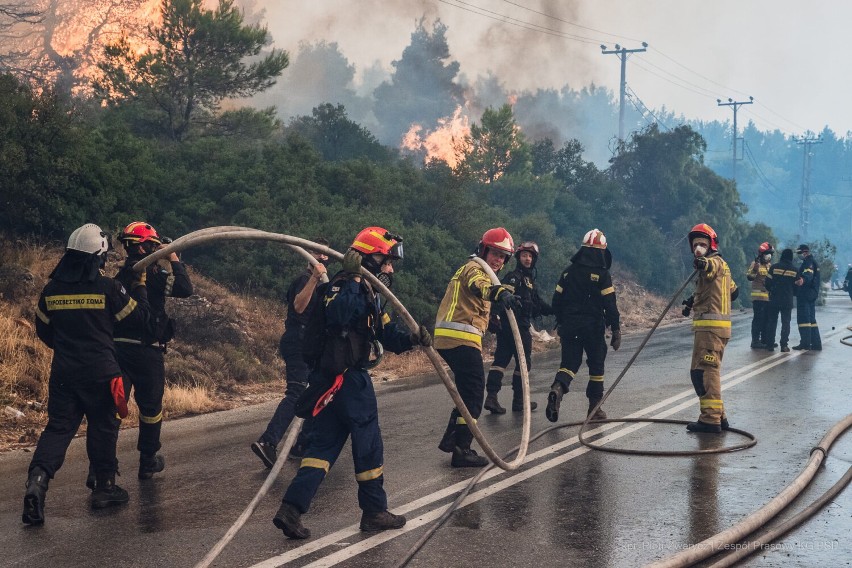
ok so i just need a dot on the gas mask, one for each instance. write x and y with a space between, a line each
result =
767 257
385 278
699 250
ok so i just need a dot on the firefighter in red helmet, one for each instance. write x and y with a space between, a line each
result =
141 351
522 283
462 320
584 304
756 274
711 326
345 328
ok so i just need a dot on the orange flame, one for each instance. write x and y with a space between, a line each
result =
446 142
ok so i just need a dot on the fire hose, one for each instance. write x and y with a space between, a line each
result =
846 340
583 425
214 234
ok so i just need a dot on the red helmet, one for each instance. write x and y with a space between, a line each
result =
595 239
530 247
375 240
765 248
705 230
498 239
139 232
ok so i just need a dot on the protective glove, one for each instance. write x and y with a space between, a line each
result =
615 342
688 309
508 301
352 262
700 263
422 337
141 279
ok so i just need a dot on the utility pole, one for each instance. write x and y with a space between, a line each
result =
735 105
806 142
622 53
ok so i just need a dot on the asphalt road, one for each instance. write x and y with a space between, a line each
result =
566 506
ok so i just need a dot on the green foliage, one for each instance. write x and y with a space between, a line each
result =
336 137
196 59
495 147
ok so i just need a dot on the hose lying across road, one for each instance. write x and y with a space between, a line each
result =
228 233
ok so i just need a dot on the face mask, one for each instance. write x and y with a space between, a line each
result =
767 257
699 250
385 278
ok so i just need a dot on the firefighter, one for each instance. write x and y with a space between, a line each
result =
584 304
301 301
807 291
462 319
847 282
711 326
521 282
779 283
344 329
141 350
75 316
756 274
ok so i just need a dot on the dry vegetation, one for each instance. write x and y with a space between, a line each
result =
225 352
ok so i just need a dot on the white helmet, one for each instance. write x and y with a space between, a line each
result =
88 238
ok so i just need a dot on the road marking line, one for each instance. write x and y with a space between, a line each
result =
728 380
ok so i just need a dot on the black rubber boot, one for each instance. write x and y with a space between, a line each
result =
34 497
805 341
288 520
107 493
448 442
816 340
554 399
493 405
381 521
599 415
463 455
518 405
724 424
149 465
266 452
704 428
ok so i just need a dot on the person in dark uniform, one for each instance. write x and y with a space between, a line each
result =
75 316
341 396
807 293
301 301
584 304
779 283
141 350
521 282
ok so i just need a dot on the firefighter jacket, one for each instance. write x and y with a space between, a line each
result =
521 282
712 299
168 279
779 282
756 274
77 319
352 320
584 294
464 310
809 273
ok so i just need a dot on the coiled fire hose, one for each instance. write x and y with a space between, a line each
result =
845 340
583 425
723 540
214 234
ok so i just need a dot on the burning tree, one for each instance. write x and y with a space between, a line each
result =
195 60
495 147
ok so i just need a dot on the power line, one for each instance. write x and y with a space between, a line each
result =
631 95
761 175
570 23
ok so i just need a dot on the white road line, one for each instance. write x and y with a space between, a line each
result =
729 380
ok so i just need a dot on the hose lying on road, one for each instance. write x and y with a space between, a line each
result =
723 540
846 340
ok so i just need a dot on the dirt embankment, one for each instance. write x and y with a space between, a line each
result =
225 353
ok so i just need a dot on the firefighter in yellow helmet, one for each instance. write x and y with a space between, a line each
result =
711 325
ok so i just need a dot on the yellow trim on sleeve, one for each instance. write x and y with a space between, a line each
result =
131 305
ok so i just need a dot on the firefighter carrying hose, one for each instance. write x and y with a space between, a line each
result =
346 326
521 282
462 319
75 316
711 325
141 350
756 274
584 304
